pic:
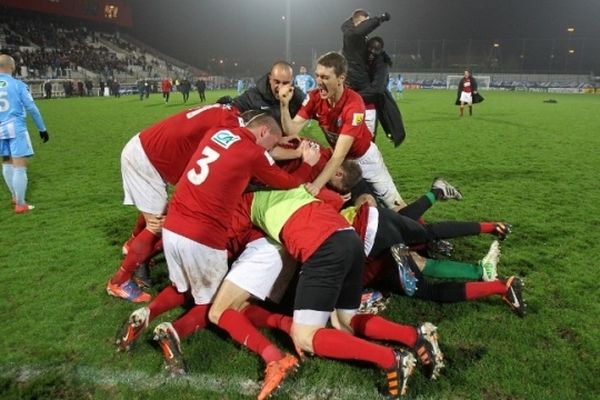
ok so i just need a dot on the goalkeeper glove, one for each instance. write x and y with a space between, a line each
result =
44 135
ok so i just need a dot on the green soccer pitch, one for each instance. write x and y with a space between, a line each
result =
518 159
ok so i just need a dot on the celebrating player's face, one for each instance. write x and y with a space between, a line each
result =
328 83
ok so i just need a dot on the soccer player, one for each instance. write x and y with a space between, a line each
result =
15 144
304 81
196 225
467 93
149 161
166 86
340 112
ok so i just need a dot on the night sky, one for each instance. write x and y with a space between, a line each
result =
252 32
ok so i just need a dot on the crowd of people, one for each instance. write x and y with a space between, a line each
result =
255 203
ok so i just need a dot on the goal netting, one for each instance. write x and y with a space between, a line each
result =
483 81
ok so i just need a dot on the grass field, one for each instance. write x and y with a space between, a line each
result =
518 159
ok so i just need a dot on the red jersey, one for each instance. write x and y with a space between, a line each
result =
170 143
312 224
292 165
241 231
166 85
347 117
467 88
214 180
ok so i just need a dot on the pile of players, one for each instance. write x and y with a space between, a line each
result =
254 203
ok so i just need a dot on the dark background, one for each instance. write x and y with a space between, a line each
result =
248 35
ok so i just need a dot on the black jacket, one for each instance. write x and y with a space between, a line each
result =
376 93
477 98
355 51
260 97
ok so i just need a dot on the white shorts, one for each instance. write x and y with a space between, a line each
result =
194 266
375 172
466 97
142 184
257 268
371 118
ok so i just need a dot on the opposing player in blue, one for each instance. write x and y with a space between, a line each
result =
304 81
400 87
15 144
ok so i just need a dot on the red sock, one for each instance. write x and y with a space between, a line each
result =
487 227
242 331
140 249
262 318
166 300
476 290
332 343
378 328
195 319
140 224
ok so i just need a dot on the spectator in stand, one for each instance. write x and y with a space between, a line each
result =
166 87
48 89
201 86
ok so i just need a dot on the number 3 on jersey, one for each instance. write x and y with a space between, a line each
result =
210 156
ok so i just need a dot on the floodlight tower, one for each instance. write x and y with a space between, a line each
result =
288 39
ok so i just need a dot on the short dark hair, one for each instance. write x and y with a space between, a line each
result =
352 175
359 13
375 39
263 118
334 60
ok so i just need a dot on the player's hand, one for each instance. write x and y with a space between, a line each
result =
312 189
311 155
44 135
385 17
292 140
285 95
155 224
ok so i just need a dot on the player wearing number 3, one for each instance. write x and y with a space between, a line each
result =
15 144
150 160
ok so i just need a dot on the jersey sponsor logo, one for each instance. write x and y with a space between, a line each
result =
269 158
225 139
357 119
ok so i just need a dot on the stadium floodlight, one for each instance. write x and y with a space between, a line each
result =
570 29
496 45
571 51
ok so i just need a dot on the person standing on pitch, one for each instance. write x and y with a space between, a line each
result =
15 144
467 93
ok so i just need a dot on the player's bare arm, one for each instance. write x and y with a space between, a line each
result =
342 147
291 127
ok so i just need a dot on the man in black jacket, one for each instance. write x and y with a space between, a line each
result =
265 95
355 30
361 71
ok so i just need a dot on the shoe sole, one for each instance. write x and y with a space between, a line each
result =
431 337
407 277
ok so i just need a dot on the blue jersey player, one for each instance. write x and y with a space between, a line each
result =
15 144
304 81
